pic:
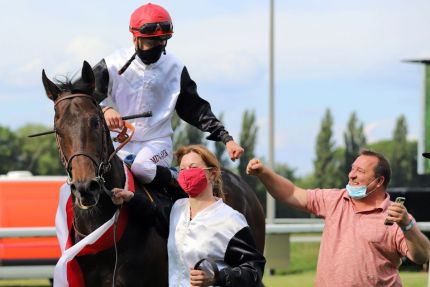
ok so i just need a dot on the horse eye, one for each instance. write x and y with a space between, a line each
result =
94 122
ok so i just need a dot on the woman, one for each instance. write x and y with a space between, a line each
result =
203 227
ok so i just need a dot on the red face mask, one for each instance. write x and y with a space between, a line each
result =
193 181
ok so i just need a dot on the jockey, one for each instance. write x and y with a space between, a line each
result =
144 77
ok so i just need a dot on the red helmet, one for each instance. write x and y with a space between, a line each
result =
151 20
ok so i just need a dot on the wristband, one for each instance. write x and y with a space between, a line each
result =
408 226
107 108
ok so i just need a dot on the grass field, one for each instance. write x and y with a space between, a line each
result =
300 273
303 262
302 279
306 279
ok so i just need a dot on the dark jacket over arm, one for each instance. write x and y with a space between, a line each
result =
197 112
246 263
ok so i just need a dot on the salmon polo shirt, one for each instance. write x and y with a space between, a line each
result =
356 249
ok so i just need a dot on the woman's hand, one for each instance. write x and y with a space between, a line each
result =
200 278
120 196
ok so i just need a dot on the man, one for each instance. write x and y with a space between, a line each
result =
143 78
357 249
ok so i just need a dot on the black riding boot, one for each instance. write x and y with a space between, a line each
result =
167 192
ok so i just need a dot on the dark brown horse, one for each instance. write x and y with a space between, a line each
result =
86 150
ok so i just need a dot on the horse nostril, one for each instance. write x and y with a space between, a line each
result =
94 185
72 186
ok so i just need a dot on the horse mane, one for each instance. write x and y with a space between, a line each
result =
71 85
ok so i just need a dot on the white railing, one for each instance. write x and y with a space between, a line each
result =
20 232
275 228
315 227
305 226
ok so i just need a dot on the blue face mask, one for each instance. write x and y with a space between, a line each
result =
359 192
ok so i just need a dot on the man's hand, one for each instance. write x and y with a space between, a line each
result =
254 167
398 213
200 278
234 150
113 119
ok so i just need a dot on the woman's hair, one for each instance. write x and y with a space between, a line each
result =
210 160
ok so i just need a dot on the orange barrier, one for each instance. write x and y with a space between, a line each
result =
29 202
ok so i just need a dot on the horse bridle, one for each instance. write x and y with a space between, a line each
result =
103 165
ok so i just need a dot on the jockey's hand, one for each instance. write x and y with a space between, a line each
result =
119 196
234 150
398 213
113 119
200 278
255 167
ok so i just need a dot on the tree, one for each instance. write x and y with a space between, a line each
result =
39 155
401 163
9 150
326 168
248 139
179 136
354 140
185 134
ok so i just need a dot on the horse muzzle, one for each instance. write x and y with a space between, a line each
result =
87 193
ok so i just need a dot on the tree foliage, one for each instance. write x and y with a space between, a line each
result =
331 165
354 141
220 150
9 150
185 134
401 163
39 154
326 169
248 140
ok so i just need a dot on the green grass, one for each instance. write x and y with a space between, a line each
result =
26 282
302 279
300 273
303 257
306 279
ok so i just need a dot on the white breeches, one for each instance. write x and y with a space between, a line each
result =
148 154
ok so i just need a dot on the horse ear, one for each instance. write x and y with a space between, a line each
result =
88 77
51 89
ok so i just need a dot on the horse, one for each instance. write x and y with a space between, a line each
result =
86 150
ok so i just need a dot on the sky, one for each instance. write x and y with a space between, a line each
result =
346 56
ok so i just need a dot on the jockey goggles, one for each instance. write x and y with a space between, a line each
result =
150 28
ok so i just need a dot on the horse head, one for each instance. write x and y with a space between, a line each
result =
82 136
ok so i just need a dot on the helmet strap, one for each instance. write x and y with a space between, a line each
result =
164 52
